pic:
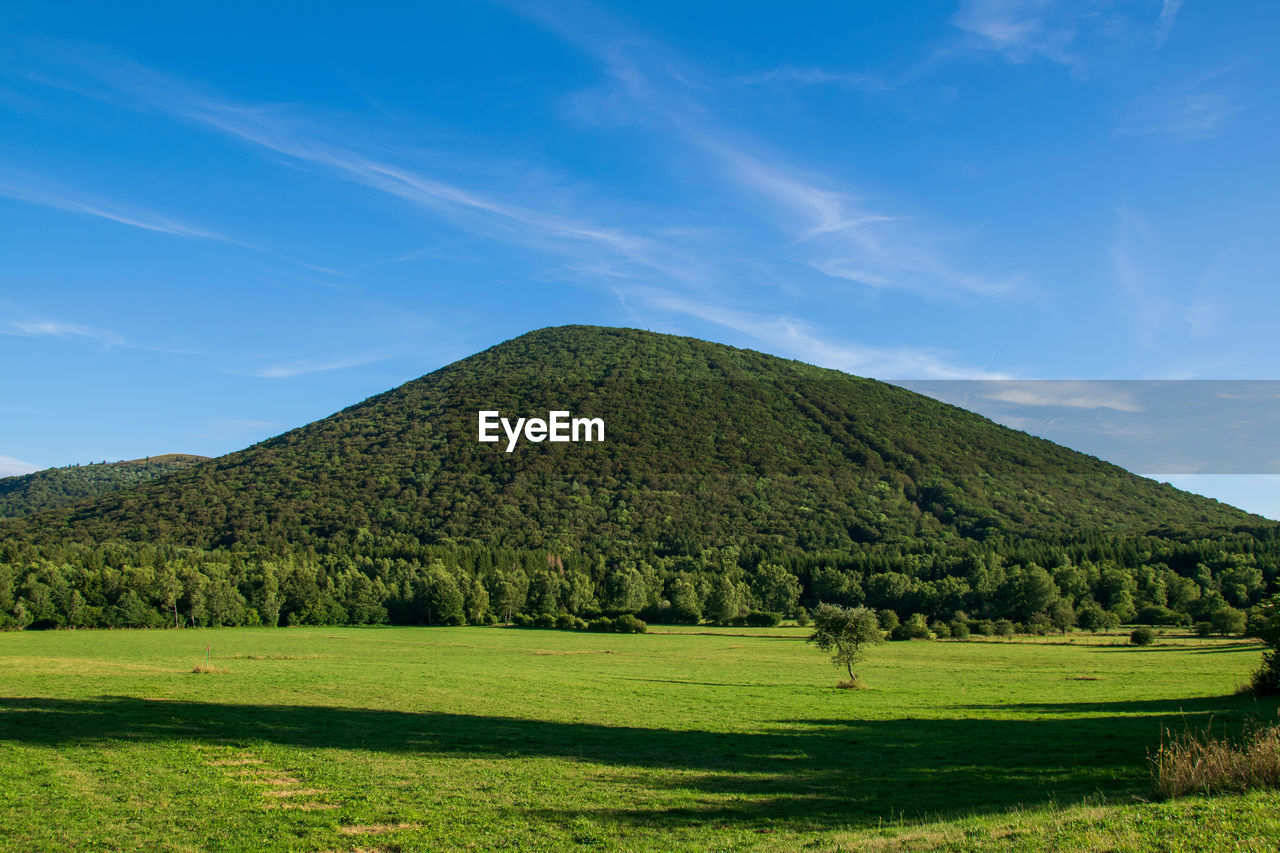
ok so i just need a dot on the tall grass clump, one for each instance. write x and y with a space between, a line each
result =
1198 763
206 669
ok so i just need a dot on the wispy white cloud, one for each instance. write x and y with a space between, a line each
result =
1078 35
42 192
1062 393
1264 390
1138 284
814 76
800 339
890 261
849 241
1019 30
1158 296
1202 108
69 331
1168 14
1205 319
10 467
57 329
286 370
33 190
822 210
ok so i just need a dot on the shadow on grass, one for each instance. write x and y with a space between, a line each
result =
1170 710
742 684
808 774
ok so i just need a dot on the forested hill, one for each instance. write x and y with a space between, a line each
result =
706 445
55 487
724 473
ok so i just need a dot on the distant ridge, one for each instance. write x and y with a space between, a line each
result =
55 487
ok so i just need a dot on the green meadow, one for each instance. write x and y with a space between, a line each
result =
492 738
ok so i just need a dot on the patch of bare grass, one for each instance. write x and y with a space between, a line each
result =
207 669
376 828
1198 763
302 807
280 781
280 657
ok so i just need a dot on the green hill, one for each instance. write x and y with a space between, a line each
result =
55 487
706 445
716 461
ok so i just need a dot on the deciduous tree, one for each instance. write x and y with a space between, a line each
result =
846 633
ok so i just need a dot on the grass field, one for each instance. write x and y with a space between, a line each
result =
455 738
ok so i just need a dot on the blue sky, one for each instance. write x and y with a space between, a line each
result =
221 221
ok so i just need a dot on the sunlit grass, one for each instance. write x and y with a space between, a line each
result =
412 738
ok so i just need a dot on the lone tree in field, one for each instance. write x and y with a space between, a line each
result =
846 632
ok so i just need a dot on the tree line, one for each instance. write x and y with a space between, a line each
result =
1038 587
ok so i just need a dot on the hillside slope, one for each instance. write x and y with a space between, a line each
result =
706 445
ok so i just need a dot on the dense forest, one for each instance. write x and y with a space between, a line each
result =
730 483
55 487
